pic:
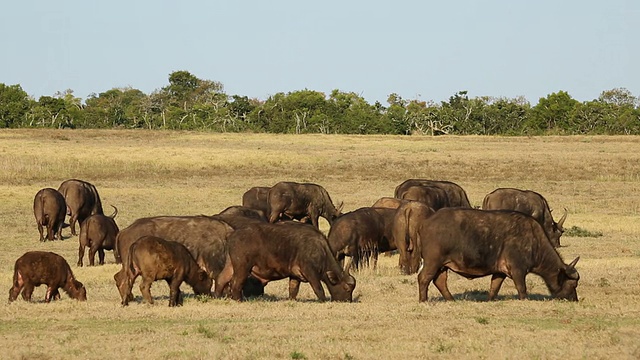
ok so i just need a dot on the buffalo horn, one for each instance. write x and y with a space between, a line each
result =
562 219
115 212
574 262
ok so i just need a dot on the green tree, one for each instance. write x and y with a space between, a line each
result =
552 113
14 105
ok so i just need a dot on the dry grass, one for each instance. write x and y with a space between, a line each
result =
179 173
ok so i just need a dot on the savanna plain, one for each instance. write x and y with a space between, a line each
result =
149 173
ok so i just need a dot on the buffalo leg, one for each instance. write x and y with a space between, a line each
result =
521 285
237 283
496 283
50 231
92 256
41 230
80 254
174 288
27 291
51 294
145 289
72 223
424 278
101 256
222 281
124 287
59 231
440 281
294 288
316 285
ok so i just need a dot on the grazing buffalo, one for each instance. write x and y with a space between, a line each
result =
455 193
407 220
362 234
154 259
501 243
243 212
204 236
49 209
82 201
285 250
432 196
98 233
301 201
257 198
530 203
389 202
35 268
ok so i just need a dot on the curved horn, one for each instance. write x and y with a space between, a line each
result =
115 212
562 219
574 262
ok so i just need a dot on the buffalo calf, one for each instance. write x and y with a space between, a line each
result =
98 233
35 268
49 209
154 259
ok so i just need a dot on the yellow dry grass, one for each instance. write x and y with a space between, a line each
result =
147 173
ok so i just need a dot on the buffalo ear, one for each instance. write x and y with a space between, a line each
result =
202 275
333 277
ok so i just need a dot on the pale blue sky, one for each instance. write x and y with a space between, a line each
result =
418 49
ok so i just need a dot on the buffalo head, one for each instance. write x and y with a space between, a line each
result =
568 282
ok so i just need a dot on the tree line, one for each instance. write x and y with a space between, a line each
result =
190 103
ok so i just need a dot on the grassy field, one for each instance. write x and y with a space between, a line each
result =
179 173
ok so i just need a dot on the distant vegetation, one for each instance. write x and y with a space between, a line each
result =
190 103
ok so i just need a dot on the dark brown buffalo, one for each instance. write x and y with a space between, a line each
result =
362 234
285 250
530 203
257 198
243 212
154 259
432 196
98 233
406 223
205 237
455 193
301 201
82 201
389 202
501 243
35 268
49 209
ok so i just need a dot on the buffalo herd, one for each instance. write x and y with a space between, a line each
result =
275 235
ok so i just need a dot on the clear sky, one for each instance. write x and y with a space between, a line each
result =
417 49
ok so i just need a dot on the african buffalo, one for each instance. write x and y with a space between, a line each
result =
205 237
455 193
389 202
98 232
301 201
530 203
285 250
154 259
243 212
82 201
257 198
406 223
49 209
432 196
362 234
35 268
501 243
